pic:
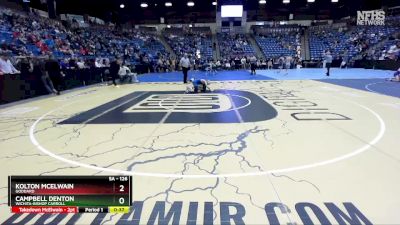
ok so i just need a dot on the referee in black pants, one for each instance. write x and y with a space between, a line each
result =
328 59
185 64
253 65
114 69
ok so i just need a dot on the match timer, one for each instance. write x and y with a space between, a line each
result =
69 194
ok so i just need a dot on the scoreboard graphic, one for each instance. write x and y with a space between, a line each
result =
69 194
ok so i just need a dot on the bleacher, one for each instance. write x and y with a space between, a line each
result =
195 41
234 45
354 41
336 41
271 46
52 37
277 41
49 36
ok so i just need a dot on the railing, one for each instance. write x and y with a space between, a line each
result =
14 87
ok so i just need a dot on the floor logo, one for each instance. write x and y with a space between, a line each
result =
221 106
198 103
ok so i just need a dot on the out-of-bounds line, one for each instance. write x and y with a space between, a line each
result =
369 89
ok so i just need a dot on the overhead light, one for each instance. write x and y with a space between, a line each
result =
168 4
311 1
144 5
214 3
286 1
190 4
168 26
122 6
190 25
262 2
334 1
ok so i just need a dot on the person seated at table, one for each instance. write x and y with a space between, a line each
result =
6 67
126 74
218 65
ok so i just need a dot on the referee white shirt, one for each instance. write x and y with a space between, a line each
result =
185 62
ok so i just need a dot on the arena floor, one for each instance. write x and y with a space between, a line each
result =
266 149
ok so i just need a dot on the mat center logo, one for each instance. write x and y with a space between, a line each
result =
221 106
199 103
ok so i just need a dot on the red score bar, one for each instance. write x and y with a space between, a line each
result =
82 189
41 209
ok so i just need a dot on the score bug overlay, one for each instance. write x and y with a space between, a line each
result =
69 194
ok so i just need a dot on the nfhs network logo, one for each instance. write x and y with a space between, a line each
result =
374 17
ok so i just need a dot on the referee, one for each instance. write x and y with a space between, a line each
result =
328 60
185 64
253 64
